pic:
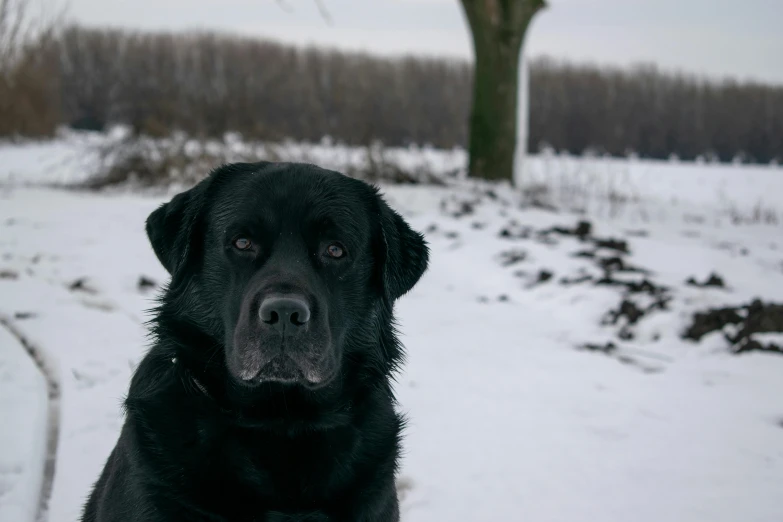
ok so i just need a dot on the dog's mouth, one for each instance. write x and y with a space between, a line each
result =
255 357
283 369
280 369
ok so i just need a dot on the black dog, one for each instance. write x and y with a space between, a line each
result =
267 394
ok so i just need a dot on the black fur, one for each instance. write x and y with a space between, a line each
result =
228 419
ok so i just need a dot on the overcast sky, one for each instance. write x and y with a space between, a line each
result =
739 38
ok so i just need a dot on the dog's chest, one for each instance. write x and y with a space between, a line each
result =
308 468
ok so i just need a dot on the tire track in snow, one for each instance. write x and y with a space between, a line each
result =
53 424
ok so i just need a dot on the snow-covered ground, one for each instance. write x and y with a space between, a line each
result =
23 408
607 187
510 417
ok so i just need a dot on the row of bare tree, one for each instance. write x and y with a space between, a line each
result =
653 114
206 84
29 95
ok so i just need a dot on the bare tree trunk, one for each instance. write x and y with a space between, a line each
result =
498 28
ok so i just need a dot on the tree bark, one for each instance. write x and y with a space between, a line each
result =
498 28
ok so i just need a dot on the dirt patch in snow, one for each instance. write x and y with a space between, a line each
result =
713 281
146 283
741 326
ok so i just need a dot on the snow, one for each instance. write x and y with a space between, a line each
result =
69 158
23 408
96 336
633 189
508 418
509 422
770 338
652 189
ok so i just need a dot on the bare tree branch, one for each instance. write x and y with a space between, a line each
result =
284 6
324 12
327 17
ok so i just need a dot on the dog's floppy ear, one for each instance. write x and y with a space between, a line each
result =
170 227
404 253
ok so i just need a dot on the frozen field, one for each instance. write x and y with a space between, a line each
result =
511 418
597 185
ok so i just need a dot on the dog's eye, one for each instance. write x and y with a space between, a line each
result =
242 243
335 251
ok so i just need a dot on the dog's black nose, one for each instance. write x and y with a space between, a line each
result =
285 314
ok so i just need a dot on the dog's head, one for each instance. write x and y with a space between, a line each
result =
281 263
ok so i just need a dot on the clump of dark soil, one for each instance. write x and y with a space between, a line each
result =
9 274
582 230
544 276
640 296
145 283
607 348
514 230
711 321
458 207
645 286
714 281
81 285
619 245
465 208
612 350
631 309
545 239
612 264
512 257
618 264
576 280
628 310
739 325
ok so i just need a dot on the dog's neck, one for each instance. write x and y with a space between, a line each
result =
199 359
194 380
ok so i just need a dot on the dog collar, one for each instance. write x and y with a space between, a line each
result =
192 377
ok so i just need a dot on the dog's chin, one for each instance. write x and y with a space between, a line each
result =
284 370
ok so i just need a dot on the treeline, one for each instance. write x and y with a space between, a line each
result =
653 114
29 95
206 84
